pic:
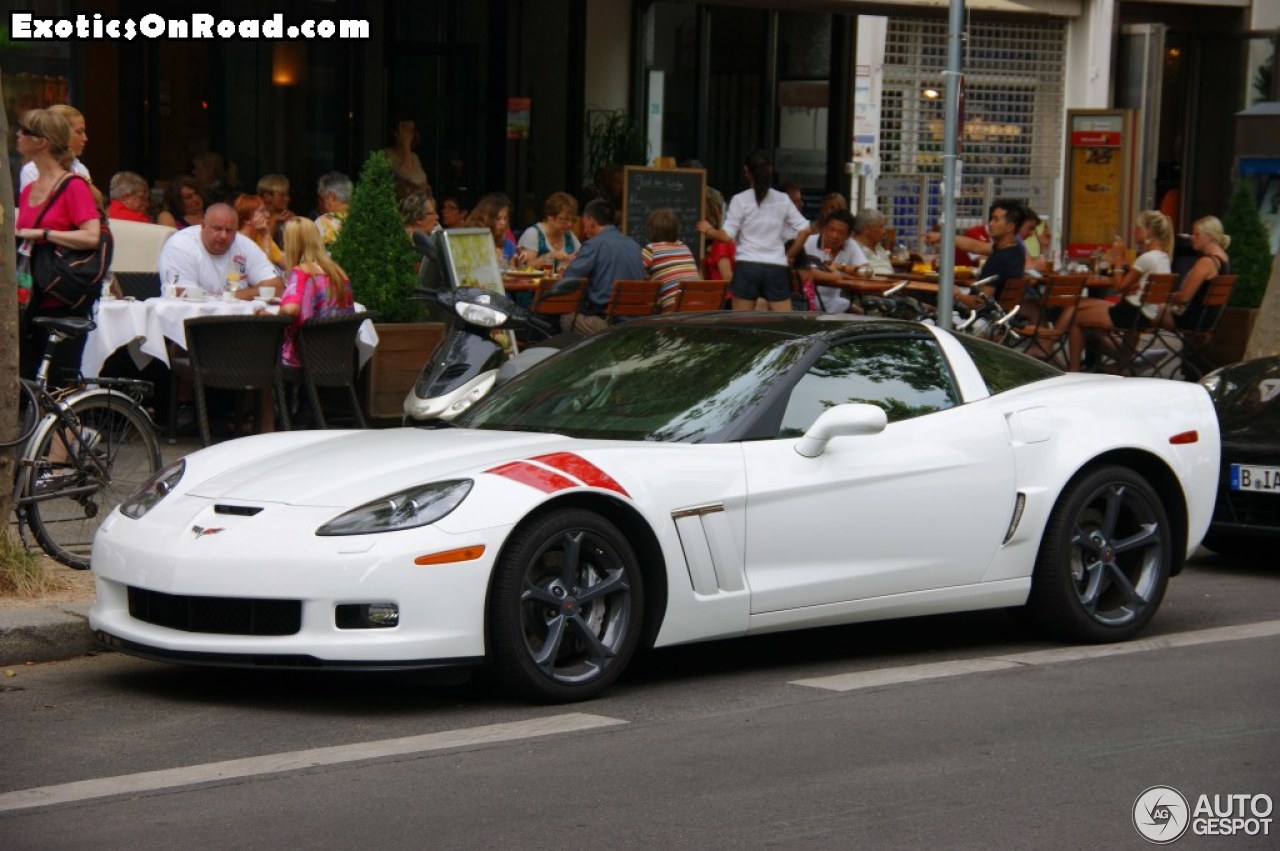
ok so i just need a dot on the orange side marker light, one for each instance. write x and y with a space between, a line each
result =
452 556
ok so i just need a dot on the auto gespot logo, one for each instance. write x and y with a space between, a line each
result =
1162 814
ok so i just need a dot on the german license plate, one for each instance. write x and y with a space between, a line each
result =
1249 477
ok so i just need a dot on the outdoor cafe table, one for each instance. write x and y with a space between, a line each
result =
145 326
877 286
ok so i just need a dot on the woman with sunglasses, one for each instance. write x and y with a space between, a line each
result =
79 138
55 209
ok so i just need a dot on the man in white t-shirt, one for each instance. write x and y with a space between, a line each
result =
832 253
217 257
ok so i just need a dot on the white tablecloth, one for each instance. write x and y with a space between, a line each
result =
144 326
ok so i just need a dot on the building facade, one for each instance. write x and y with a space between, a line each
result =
502 91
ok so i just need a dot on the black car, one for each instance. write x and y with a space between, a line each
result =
1246 518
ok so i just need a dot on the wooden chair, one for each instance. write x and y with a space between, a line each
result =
557 305
231 353
631 299
700 295
327 349
1196 338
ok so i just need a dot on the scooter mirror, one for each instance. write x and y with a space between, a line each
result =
431 273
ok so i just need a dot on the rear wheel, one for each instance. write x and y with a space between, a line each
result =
73 492
565 608
1104 561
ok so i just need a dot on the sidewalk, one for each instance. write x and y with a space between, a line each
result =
56 626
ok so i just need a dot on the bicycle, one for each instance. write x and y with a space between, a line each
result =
81 451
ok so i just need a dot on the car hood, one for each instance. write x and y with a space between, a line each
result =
1248 403
342 469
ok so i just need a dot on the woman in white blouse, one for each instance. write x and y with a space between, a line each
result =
760 220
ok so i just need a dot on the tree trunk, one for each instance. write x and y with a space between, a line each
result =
1265 340
8 323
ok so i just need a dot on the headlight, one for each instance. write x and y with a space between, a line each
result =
480 314
154 489
407 509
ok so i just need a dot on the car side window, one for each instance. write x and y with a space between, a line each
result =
1002 368
907 377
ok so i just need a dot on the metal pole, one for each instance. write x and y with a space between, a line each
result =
950 154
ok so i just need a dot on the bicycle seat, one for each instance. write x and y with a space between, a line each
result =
68 326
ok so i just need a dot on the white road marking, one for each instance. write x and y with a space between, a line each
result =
151 781
960 667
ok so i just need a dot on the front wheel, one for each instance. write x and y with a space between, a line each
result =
1104 560
77 479
565 608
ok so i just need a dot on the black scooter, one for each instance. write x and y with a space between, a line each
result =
478 351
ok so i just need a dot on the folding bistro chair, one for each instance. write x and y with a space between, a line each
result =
231 353
140 285
1128 350
701 295
327 349
1051 335
631 299
1195 339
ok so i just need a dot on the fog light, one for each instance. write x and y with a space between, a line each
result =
367 616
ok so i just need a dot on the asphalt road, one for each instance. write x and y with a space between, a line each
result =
955 732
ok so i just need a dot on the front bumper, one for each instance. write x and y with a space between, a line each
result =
275 560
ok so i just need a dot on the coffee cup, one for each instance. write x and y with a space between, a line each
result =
228 296
266 292
169 290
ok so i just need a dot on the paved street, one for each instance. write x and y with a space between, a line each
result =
732 744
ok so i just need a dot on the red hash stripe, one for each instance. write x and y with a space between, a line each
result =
582 469
534 476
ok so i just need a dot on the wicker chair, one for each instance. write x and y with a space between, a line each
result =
327 349
231 353
140 285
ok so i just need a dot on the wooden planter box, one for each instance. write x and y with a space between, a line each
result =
396 363
1232 335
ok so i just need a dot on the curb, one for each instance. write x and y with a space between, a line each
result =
44 633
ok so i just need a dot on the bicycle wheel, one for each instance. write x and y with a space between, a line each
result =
28 416
77 479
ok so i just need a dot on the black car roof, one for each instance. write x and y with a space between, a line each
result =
824 326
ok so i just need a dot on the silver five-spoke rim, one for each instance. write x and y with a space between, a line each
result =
575 606
1116 555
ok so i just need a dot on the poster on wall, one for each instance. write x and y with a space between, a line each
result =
1097 180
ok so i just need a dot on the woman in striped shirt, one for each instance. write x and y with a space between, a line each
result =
666 259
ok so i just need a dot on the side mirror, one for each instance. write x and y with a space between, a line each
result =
841 421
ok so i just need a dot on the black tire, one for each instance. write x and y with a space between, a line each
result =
127 453
565 609
1104 560
28 416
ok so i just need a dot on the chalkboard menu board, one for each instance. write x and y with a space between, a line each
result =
648 189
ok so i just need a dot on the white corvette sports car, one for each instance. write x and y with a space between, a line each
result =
673 480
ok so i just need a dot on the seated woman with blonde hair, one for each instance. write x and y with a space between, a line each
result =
1154 235
1209 241
316 285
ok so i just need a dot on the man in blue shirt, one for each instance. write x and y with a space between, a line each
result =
607 256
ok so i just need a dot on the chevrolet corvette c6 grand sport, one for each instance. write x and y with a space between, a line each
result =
674 479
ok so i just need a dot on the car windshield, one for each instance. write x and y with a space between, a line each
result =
647 382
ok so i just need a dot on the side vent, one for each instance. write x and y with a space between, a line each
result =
1018 506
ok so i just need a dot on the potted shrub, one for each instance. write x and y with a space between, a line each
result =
1250 253
374 251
